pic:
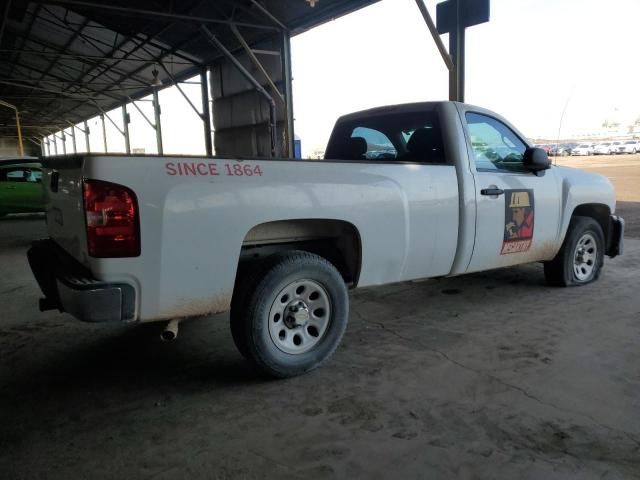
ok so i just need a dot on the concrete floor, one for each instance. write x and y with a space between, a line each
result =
493 375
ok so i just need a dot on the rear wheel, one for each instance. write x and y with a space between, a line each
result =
581 257
291 313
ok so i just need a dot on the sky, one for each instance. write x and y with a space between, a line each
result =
530 60
554 68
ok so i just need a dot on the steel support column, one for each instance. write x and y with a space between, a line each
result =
272 103
86 136
104 132
270 81
18 126
73 139
158 126
125 124
456 47
288 93
63 137
206 116
448 61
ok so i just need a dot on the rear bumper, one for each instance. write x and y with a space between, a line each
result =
615 240
69 287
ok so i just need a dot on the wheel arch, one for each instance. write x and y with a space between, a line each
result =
598 211
336 240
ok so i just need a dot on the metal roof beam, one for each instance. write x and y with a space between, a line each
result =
269 15
57 92
109 67
62 67
69 41
129 11
84 58
28 30
65 83
123 77
154 60
3 21
78 33
66 26
124 58
58 78
92 64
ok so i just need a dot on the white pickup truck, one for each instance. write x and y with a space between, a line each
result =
405 192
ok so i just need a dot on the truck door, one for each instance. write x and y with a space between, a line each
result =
517 212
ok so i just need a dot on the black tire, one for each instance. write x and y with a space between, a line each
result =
560 271
257 293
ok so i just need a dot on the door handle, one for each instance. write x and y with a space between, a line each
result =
492 191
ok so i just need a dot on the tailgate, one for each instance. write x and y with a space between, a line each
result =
62 182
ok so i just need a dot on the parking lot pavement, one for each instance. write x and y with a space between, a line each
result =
493 375
624 173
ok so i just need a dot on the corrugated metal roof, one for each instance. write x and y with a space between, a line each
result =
65 60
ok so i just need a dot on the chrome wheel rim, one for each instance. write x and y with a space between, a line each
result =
585 257
299 316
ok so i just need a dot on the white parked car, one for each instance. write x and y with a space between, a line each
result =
582 149
630 146
616 147
278 242
605 148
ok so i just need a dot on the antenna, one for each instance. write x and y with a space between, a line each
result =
564 109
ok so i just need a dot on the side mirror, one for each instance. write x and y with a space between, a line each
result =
536 160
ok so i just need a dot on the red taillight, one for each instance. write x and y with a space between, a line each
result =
113 228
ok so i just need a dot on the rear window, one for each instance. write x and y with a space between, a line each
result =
19 174
410 137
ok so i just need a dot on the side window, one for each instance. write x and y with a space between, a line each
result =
495 146
378 144
17 175
35 176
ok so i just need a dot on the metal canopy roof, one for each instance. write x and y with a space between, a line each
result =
65 61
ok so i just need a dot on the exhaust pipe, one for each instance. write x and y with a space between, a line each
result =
170 331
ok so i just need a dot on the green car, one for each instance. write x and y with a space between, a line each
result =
20 187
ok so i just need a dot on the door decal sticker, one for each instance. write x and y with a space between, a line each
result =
519 212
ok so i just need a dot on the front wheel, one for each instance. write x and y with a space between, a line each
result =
292 314
581 257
